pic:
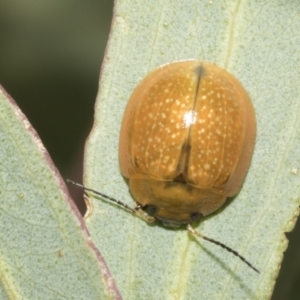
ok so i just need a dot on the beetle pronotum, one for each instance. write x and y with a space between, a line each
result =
186 143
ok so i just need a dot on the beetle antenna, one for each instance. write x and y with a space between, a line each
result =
137 210
191 230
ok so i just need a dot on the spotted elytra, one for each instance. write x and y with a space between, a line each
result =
186 143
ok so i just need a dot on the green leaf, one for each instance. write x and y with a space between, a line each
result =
258 42
46 251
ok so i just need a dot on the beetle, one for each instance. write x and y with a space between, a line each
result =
186 142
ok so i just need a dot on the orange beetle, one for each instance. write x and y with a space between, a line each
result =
186 140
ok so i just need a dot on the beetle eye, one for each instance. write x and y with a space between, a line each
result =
195 216
151 210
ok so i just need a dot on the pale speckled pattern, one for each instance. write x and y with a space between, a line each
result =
217 136
195 106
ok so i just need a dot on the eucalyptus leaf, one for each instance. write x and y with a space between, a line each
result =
46 250
258 42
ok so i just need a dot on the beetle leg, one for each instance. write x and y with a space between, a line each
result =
140 213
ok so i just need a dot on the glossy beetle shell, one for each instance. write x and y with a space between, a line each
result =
186 140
